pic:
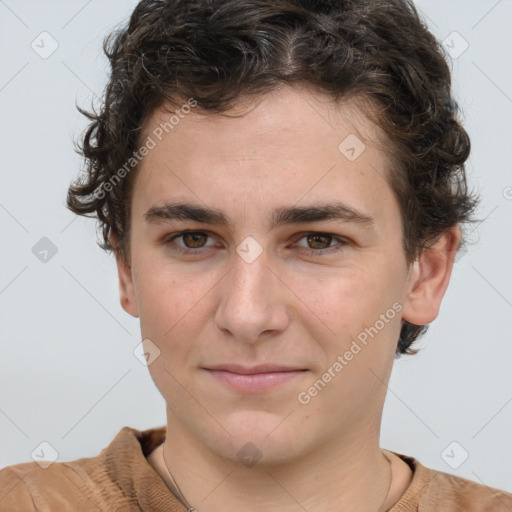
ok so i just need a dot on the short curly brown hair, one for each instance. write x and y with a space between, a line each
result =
220 51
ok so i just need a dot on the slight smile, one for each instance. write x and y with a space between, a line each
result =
255 379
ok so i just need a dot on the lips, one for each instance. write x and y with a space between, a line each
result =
254 379
261 368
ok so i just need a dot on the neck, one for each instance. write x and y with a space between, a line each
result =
352 474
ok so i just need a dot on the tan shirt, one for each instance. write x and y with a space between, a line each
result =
121 479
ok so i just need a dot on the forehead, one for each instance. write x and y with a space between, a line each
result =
298 112
287 146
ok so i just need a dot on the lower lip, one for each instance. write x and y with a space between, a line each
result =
254 382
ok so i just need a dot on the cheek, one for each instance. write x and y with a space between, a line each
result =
340 300
340 309
169 304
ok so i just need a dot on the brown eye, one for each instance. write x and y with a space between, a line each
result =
321 244
194 240
190 243
319 241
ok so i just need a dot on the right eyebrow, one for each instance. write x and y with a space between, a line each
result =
186 211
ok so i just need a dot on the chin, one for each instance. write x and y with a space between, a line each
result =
258 438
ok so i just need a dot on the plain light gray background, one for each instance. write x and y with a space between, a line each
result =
67 369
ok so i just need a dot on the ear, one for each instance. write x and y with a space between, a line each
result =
429 278
126 287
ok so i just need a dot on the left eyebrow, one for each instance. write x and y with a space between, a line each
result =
314 213
281 216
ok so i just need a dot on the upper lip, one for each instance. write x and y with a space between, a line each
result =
261 368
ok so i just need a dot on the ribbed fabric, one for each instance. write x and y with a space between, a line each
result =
121 479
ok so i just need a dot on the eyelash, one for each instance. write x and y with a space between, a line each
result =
310 252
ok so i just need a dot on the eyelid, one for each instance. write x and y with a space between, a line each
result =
331 249
173 236
339 238
341 242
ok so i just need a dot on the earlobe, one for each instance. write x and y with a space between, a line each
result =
429 279
126 286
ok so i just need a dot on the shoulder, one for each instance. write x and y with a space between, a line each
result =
436 491
28 487
453 493
83 484
14 494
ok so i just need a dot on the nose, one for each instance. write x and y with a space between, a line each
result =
253 301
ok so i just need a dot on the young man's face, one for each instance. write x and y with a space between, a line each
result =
261 288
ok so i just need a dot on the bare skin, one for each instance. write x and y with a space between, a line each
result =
401 472
288 306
